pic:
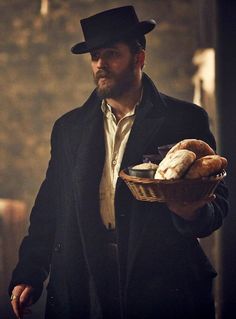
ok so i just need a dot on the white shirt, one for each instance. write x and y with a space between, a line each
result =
116 137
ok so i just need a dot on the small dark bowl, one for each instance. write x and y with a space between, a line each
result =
143 173
154 158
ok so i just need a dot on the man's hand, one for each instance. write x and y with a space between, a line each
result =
188 210
21 299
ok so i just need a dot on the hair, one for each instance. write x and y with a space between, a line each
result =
136 44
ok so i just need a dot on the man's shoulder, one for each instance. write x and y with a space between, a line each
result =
71 116
171 101
77 114
178 106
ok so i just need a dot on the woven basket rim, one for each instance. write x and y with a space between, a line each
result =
142 180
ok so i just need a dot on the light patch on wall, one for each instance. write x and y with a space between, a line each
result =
44 7
204 78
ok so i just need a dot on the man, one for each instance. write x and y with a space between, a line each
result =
109 255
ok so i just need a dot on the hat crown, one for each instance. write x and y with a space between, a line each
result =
109 26
110 21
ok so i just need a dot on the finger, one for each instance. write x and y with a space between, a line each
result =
16 307
207 200
212 197
22 295
16 293
26 296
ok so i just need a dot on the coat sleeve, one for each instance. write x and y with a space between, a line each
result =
35 250
211 216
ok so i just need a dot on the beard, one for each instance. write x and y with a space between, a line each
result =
112 85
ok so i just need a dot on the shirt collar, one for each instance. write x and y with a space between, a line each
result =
107 109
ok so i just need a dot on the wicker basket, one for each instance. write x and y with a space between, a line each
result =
181 190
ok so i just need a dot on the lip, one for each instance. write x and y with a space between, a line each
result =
102 74
103 79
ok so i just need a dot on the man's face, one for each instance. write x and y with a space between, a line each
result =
114 70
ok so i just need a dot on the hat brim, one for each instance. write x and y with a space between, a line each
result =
141 28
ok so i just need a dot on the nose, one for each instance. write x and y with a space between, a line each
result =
101 62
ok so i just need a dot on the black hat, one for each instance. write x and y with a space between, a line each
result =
109 26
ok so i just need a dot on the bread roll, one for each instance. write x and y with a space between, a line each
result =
199 147
175 164
205 166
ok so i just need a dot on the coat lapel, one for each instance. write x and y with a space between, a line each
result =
149 120
150 116
87 174
143 129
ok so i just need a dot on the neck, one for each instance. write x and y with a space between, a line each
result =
126 102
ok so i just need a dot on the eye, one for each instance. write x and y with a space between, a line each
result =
107 55
95 56
112 54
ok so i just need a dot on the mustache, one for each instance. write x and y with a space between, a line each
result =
102 74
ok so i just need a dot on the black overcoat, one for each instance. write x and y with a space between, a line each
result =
163 271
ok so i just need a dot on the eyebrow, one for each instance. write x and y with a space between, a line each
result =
107 48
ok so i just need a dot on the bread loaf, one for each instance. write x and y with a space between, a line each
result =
199 147
175 164
206 166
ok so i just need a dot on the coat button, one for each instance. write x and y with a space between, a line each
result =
58 247
51 300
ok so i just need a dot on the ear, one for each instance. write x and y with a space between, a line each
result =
140 58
